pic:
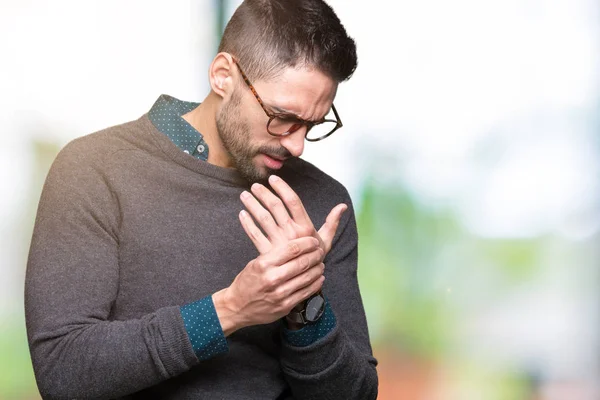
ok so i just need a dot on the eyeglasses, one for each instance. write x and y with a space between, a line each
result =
282 124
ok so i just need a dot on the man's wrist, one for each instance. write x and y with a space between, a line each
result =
311 332
226 313
293 325
203 328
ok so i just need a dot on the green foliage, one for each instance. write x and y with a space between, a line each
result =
16 373
518 259
398 267
421 271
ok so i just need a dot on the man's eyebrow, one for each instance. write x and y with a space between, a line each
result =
284 111
289 113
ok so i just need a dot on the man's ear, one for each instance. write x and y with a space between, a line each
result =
220 74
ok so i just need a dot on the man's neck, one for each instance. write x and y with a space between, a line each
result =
204 119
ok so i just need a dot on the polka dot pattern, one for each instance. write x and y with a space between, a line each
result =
166 114
313 332
203 328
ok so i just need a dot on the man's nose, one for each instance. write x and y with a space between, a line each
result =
294 142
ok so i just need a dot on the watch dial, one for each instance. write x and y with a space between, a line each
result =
314 308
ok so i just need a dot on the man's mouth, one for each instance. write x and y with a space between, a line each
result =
273 162
282 159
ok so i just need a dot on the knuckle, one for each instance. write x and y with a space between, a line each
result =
283 306
320 253
317 273
319 285
279 294
303 263
292 201
294 248
287 305
314 288
275 203
315 260
288 223
316 270
308 279
270 281
261 263
254 234
264 217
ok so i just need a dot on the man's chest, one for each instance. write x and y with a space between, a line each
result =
179 249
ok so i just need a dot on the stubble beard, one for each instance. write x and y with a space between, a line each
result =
235 135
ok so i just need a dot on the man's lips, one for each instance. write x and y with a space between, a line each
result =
273 162
276 157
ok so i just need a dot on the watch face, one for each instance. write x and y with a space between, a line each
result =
314 308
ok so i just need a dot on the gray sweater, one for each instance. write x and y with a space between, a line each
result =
128 229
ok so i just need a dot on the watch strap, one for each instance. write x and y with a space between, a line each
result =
298 313
296 316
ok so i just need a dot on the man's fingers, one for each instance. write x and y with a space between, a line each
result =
276 207
262 216
327 231
297 266
304 293
301 281
291 201
295 248
260 241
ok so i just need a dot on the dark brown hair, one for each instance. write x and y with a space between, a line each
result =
267 36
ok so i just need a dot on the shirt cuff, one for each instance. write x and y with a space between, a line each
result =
309 334
203 328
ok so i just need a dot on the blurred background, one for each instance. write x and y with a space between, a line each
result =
470 147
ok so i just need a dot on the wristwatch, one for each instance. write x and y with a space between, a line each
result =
309 311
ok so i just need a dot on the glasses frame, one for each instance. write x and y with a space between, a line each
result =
272 116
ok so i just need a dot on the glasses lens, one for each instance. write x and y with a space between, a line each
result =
281 126
321 130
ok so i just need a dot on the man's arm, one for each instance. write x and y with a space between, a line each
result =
71 284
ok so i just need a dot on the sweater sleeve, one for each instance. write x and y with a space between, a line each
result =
72 282
339 365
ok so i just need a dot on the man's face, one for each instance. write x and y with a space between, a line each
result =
242 123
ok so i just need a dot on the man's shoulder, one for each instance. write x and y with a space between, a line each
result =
101 145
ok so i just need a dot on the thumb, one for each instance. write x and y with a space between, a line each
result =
327 231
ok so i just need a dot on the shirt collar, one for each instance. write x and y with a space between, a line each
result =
166 115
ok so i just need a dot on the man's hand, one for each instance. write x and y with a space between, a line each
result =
277 223
276 220
289 268
271 285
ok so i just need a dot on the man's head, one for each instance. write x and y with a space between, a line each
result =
268 36
294 53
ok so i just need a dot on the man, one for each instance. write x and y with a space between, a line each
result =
145 280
